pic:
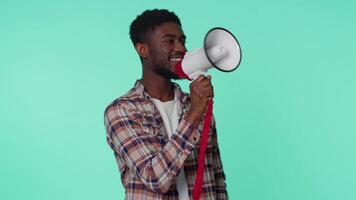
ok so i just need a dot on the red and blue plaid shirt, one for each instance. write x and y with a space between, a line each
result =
148 160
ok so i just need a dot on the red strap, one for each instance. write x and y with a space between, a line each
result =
203 142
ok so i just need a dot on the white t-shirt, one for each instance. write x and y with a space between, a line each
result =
170 112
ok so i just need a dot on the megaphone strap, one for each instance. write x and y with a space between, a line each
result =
203 142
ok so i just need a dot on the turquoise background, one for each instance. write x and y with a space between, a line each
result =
285 118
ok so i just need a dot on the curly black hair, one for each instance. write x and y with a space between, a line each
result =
148 20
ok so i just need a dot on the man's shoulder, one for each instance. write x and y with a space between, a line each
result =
135 98
125 101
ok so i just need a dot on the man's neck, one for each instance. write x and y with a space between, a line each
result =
158 87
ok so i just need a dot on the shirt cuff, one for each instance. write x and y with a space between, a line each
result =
186 136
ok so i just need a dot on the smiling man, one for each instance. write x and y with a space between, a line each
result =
154 129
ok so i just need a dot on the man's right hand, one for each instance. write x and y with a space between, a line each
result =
201 91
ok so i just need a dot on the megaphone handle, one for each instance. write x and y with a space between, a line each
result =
203 142
196 74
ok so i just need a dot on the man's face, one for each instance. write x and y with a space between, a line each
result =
166 45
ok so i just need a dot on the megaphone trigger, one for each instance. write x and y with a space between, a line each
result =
196 74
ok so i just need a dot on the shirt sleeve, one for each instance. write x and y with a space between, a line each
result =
220 179
157 170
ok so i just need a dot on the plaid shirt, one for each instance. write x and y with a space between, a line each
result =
148 160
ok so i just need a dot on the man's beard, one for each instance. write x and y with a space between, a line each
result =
166 73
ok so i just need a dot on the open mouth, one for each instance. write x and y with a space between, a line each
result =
175 60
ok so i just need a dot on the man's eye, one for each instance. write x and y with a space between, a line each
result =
169 41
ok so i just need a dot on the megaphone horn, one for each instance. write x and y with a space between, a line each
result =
221 50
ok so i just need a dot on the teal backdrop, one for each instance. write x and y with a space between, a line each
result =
285 118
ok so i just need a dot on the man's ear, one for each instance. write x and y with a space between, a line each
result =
142 50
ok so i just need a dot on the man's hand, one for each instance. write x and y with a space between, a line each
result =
201 91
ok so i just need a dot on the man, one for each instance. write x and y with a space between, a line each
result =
154 129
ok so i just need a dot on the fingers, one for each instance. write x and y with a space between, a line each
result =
202 86
206 92
201 90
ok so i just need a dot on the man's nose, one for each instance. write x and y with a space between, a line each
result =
179 47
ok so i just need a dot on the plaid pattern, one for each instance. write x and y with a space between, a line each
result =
148 160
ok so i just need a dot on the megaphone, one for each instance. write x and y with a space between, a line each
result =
221 50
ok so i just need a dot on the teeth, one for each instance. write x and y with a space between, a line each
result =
176 59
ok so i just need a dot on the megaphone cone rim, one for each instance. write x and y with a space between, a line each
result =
206 49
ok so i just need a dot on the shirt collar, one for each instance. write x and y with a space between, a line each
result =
182 96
